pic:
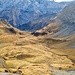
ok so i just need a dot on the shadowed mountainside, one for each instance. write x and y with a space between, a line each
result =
6 28
63 25
30 15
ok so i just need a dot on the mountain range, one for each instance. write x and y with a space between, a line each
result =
30 15
49 51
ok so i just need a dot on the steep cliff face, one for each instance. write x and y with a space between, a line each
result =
29 14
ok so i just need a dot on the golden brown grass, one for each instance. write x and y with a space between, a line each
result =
33 55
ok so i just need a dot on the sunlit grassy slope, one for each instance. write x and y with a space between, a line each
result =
28 55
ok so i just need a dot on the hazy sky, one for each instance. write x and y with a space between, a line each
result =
62 0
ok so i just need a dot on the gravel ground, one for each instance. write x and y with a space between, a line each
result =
62 72
8 74
58 72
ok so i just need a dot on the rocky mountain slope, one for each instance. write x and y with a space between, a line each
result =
29 14
63 25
